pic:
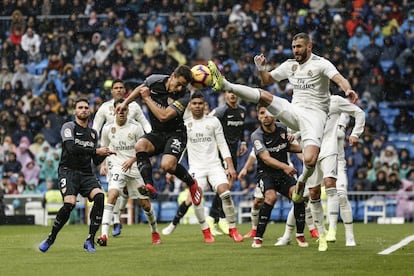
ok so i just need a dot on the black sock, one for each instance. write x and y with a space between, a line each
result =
216 208
264 215
299 212
183 174
96 215
182 210
145 167
61 218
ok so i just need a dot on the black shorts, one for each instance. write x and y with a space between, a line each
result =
172 143
74 182
280 183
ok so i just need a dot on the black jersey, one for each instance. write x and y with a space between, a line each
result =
160 95
79 147
276 143
232 121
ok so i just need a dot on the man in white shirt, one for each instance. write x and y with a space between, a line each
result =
121 137
205 138
106 115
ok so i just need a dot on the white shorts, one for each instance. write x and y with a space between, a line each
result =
259 190
213 176
327 167
309 121
342 180
119 181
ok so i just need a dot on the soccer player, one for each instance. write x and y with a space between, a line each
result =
310 76
271 146
204 142
166 97
327 167
121 137
342 180
106 115
75 173
231 116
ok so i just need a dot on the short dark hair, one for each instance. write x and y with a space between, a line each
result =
304 36
119 101
184 71
116 81
78 100
197 94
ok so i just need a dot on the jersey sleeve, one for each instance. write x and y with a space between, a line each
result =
140 118
104 136
99 119
353 110
221 140
257 142
67 132
180 104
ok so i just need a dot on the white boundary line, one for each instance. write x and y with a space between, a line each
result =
397 246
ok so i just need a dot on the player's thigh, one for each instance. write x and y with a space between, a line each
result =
217 176
329 166
152 143
342 180
69 181
311 123
315 179
88 183
201 177
175 144
285 112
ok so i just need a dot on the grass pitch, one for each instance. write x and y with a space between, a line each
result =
185 253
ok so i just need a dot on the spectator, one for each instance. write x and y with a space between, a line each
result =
38 143
389 156
5 76
23 76
30 39
51 134
23 154
393 181
375 121
405 201
360 182
31 172
380 182
83 56
359 40
12 167
404 122
393 84
20 183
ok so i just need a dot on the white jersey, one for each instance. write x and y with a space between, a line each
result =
121 139
205 138
310 81
106 115
337 106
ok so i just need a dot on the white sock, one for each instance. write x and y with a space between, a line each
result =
307 171
346 215
228 208
290 225
117 210
309 218
255 217
244 92
333 207
201 217
123 202
106 218
152 219
317 213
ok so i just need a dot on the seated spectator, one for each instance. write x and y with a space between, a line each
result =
393 183
31 172
37 145
360 182
12 167
23 154
380 182
405 201
376 122
31 189
404 122
10 187
23 130
389 156
20 183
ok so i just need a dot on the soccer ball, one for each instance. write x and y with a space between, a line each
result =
201 76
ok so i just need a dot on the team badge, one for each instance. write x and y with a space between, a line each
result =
130 136
283 135
258 145
242 115
113 130
67 133
294 67
190 125
93 135
310 74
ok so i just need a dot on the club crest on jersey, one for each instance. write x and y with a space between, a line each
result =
242 115
130 136
310 74
113 130
93 135
283 135
190 125
294 67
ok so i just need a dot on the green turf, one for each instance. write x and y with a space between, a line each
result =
185 253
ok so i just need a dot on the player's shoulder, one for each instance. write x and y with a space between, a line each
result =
70 124
281 125
155 78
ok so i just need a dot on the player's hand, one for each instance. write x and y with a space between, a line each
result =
260 61
243 149
290 138
120 107
352 95
169 178
290 170
105 151
242 174
145 92
126 166
353 141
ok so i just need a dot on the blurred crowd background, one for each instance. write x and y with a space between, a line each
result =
53 51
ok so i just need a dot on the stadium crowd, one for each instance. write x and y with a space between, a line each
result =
55 51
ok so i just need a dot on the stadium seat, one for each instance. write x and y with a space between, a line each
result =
374 207
244 210
391 207
168 209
